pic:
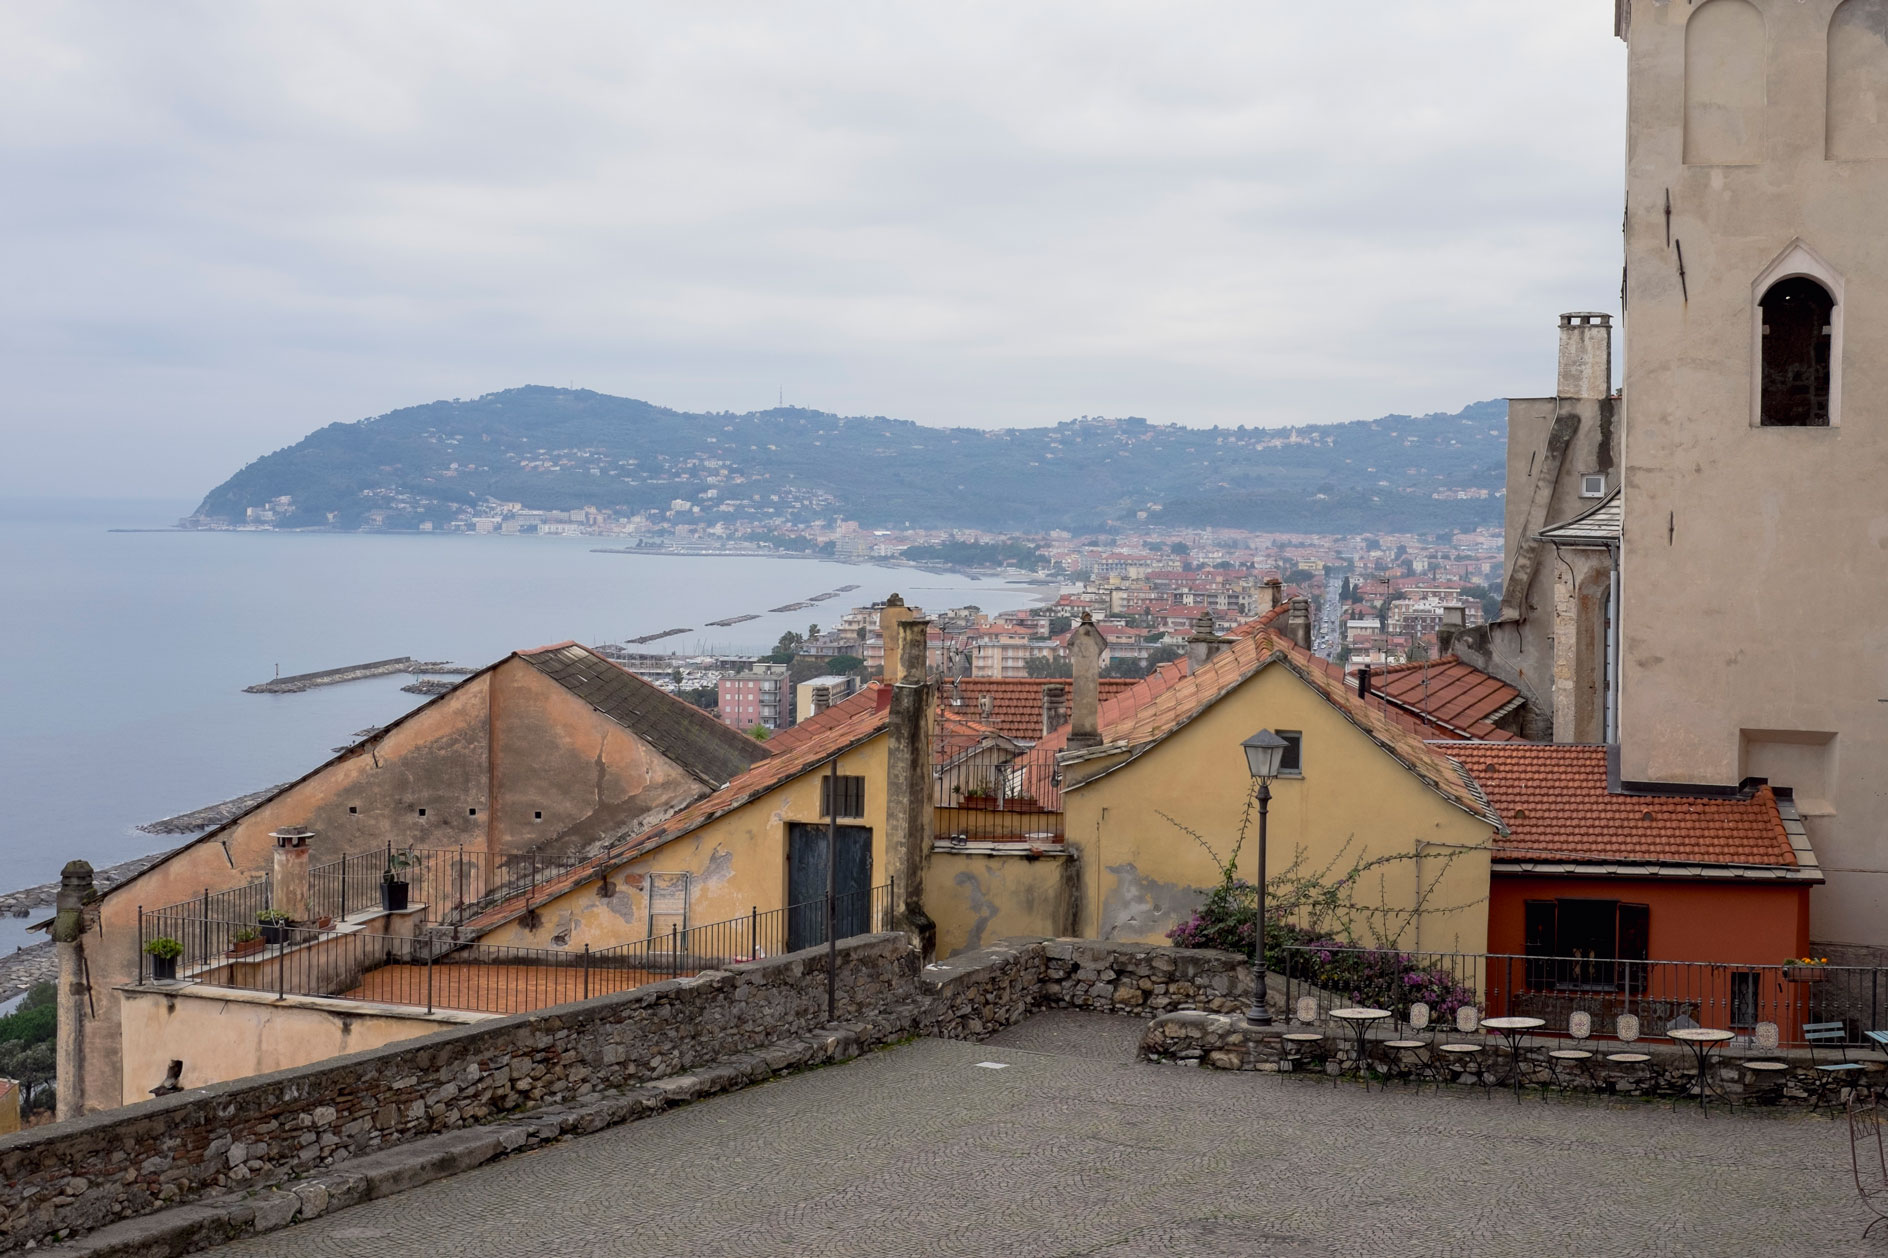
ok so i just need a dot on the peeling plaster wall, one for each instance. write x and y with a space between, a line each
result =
1720 513
1142 874
977 898
737 863
554 753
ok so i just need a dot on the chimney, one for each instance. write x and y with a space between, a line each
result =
1274 592
986 706
72 919
909 811
1205 642
1363 682
288 881
1586 355
895 614
1298 622
1454 620
1086 646
1054 708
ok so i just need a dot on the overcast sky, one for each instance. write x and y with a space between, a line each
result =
228 224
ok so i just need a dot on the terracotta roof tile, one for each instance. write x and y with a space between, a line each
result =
1171 696
1453 696
1555 802
875 697
1015 702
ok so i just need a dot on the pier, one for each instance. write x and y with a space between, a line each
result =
298 682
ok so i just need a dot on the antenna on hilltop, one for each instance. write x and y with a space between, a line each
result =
783 395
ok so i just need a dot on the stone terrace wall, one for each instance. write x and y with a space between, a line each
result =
252 1133
247 1133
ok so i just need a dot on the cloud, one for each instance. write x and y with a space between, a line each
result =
235 223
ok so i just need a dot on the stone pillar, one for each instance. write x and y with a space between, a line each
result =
910 819
1086 647
288 881
72 922
1274 594
1454 620
894 615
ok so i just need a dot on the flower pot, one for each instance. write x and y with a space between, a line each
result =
1806 973
324 923
246 947
393 895
163 969
273 933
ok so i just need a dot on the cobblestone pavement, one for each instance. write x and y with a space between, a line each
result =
920 1149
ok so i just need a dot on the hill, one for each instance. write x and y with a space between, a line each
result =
560 449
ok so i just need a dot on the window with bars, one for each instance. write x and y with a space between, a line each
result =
850 796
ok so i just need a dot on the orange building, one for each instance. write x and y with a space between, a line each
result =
1617 897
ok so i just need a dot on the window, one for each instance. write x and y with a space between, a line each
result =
851 797
352 810
1582 943
422 812
471 812
1593 486
537 816
1292 763
1798 340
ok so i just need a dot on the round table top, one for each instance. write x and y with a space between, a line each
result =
1360 1014
1514 1024
1702 1035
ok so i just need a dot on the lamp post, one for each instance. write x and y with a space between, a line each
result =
1265 752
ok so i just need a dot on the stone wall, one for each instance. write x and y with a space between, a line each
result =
75 1176
300 1128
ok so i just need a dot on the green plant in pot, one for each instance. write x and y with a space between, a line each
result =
245 941
274 924
164 952
394 888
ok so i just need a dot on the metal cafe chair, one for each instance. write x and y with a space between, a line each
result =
1626 1028
1868 1159
1298 1043
1845 1072
1467 1053
1579 1030
1766 1073
1411 1058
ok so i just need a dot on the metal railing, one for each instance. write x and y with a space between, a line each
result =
432 971
191 922
989 792
1663 995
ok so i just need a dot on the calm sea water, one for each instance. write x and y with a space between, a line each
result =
125 654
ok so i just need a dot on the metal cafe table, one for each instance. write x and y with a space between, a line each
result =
1702 1041
1360 1019
1512 1029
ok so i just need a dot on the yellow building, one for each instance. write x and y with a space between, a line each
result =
1386 831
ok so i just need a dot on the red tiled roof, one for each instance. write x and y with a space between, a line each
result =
1015 702
1555 802
875 697
1452 695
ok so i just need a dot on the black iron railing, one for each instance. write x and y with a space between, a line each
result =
430 970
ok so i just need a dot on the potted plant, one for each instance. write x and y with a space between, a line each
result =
164 952
274 924
394 888
1806 969
244 942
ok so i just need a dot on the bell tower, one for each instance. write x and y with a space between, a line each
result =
1753 632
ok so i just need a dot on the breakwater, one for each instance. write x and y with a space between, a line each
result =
298 682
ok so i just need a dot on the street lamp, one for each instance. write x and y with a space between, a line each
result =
1265 753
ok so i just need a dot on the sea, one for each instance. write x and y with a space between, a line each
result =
123 654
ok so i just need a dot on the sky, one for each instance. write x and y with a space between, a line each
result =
226 225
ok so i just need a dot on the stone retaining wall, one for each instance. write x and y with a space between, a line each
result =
297 1126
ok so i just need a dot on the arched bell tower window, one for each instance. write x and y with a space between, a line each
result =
1796 368
1797 336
